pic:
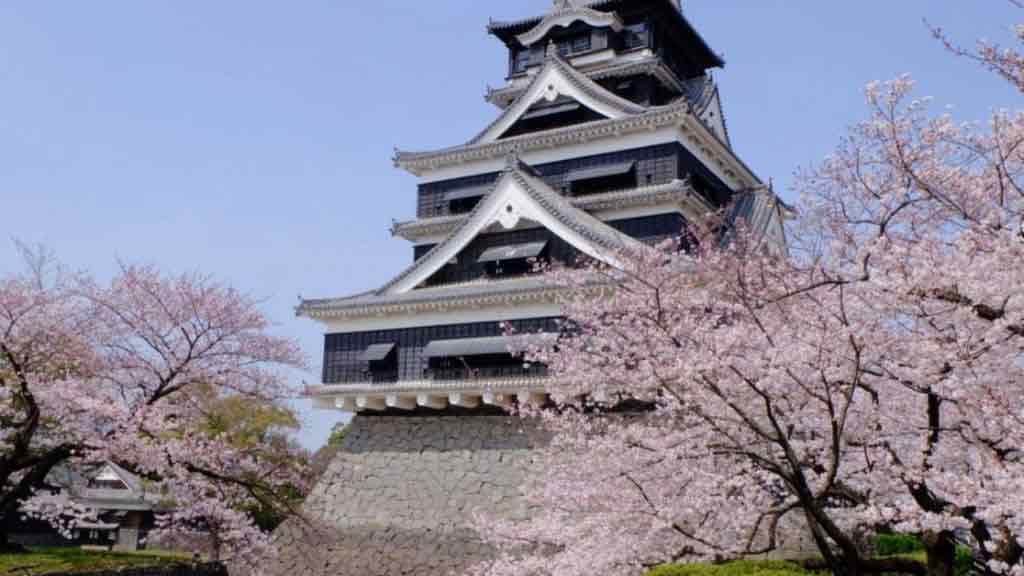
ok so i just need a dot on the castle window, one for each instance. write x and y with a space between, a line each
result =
603 179
635 36
486 357
581 43
512 260
574 45
463 205
465 200
520 61
381 361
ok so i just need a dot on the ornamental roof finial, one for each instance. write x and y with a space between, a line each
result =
557 5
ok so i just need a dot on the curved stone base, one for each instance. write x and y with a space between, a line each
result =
398 498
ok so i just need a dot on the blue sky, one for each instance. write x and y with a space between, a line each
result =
252 139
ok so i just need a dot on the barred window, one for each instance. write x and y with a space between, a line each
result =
520 61
636 36
581 43
342 351
655 165
574 45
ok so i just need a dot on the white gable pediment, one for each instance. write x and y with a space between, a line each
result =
564 16
519 197
108 474
713 117
557 79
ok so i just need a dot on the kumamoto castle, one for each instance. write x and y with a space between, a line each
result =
609 132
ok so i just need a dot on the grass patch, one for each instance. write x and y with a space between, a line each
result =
896 544
39 561
737 568
904 547
963 561
908 546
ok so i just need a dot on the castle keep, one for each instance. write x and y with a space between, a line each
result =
609 133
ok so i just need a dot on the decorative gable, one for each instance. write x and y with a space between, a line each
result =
519 195
713 117
545 115
566 13
558 81
108 479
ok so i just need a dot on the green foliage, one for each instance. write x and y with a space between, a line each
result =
893 544
244 421
321 461
49 560
338 434
912 547
963 563
738 568
261 428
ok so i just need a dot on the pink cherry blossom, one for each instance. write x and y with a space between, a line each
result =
714 404
95 371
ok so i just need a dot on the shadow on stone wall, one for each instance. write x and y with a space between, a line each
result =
173 570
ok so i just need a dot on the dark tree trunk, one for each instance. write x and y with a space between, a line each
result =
941 550
6 546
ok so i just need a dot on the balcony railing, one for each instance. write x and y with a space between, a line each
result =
461 373
487 372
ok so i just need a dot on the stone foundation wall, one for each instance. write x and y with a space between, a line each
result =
397 499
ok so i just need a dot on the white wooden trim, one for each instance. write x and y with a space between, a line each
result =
507 204
692 134
630 141
418 320
588 16
432 402
550 83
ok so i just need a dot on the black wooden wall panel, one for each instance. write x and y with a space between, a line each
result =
654 165
342 351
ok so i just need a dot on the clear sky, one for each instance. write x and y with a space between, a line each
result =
252 139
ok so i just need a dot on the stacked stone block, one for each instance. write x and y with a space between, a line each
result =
400 496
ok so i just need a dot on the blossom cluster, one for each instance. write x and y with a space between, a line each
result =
123 371
716 402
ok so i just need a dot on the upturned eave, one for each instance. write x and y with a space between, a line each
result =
419 162
433 300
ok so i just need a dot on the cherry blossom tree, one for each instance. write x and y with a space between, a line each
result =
125 371
717 403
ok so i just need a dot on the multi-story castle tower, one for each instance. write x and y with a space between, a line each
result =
611 132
